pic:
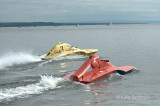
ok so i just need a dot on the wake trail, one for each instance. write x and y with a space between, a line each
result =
45 83
11 59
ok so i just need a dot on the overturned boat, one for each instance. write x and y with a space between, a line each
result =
64 49
94 68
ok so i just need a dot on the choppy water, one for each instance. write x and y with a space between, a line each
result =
26 80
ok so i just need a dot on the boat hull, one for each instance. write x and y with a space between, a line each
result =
64 49
94 69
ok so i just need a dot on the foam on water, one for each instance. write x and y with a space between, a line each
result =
63 58
11 59
45 83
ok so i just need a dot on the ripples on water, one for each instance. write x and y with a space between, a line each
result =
32 85
27 80
40 84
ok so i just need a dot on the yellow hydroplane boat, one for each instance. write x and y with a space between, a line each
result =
64 49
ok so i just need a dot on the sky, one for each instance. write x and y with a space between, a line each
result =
79 10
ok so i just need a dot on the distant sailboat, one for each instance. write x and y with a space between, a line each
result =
77 25
110 23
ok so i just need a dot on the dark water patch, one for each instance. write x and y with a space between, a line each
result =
21 81
23 67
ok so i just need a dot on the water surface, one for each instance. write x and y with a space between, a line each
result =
26 80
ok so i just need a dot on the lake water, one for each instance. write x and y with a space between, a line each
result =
26 80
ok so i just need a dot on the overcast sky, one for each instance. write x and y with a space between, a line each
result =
79 10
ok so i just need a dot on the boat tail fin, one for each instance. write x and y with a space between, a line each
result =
124 70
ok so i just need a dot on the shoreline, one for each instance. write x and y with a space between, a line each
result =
36 24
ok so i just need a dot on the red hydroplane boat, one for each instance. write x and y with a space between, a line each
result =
94 68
